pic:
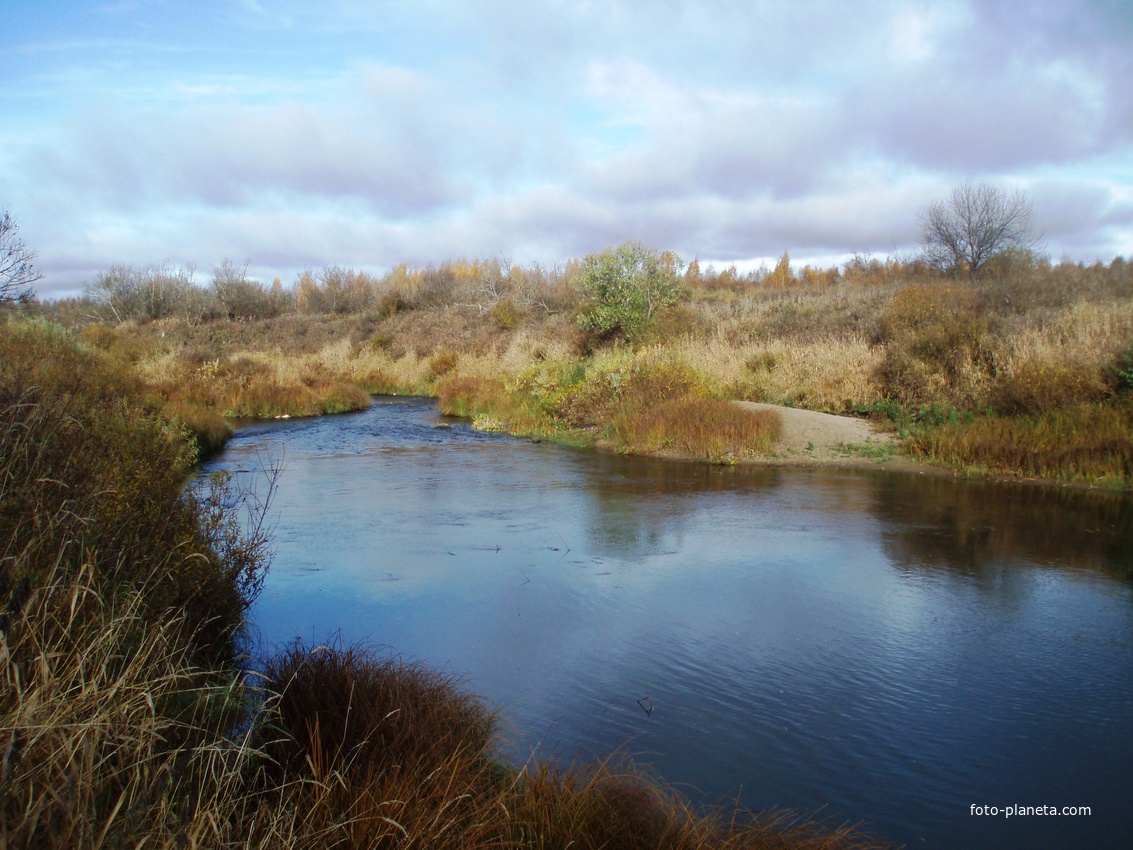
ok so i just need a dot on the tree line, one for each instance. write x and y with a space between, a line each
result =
621 288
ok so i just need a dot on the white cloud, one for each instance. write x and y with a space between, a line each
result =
349 134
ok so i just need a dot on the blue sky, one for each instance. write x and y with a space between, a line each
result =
365 134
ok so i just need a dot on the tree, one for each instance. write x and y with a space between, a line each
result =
124 292
626 286
240 298
976 223
17 274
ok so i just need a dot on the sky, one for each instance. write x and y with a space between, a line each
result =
365 134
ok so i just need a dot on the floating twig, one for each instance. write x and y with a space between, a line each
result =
646 703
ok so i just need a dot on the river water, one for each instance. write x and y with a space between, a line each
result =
884 648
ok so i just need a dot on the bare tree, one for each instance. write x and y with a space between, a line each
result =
17 274
155 292
976 222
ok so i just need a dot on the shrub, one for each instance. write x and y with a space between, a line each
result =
591 397
626 287
936 346
1123 369
443 362
505 314
1035 387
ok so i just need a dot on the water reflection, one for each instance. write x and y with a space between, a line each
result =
890 647
974 527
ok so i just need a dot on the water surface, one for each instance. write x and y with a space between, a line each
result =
885 648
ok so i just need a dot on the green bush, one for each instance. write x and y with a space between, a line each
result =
626 287
1123 369
505 314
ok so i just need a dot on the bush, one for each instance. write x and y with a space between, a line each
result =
1034 387
626 287
1123 369
936 347
591 398
505 314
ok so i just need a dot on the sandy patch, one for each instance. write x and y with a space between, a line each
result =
811 438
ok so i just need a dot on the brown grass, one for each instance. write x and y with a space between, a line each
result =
612 803
1025 338
1086 442
706 429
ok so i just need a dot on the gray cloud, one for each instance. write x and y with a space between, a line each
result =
541 130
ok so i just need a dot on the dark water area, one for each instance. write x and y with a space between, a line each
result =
884 648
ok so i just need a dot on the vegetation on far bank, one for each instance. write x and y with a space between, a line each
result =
127 718
1023 370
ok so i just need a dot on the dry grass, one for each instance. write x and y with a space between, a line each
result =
705 429
101 712
1087 442
614 804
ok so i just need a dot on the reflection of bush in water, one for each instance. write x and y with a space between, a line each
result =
973 527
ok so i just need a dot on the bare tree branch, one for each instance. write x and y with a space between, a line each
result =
17 274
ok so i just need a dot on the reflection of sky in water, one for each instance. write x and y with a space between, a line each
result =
890 647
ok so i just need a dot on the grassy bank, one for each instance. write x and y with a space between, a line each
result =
126 719
948 363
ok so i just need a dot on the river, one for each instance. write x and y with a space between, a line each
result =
885 648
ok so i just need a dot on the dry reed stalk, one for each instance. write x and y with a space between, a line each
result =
839 373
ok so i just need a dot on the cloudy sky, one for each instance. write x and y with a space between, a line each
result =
298 134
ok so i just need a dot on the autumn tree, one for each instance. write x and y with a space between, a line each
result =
781 275
974 224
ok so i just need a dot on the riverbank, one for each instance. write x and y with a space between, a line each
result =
1025 372
120 679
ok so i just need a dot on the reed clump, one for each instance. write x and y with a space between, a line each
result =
613 803
121 597
705 429
1088 442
